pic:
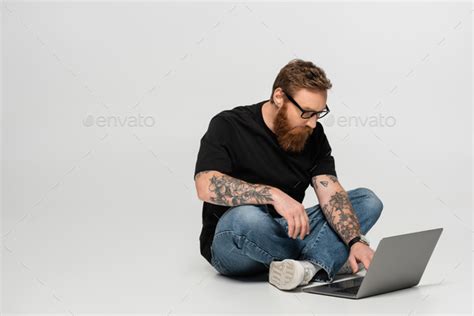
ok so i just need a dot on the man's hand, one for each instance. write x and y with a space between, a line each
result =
360 252
294 213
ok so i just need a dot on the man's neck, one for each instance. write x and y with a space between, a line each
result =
269 112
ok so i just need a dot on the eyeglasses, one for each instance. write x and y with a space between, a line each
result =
308 114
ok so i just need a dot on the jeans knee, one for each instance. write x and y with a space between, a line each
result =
372 203
243 218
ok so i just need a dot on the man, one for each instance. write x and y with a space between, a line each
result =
253 167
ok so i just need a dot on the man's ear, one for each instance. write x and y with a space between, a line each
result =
278 97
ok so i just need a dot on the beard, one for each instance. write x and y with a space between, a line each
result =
291 139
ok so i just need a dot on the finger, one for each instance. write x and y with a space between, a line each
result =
297 227
366 262
291 224
304 226
353 263
307 223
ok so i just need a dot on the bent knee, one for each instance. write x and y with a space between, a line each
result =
243 217
372 202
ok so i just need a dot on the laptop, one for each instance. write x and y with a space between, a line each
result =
398 263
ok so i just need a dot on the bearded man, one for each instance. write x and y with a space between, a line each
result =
253 167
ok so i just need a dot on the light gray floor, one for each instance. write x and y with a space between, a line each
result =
80 260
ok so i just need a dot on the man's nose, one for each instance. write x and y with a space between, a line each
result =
312 121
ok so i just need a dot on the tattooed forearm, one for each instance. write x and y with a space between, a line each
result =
338 210
226 190
336 206
231 191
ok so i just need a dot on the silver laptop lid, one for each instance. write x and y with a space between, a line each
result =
399 262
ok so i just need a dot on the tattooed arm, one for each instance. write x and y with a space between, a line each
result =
336 206
218 188
221 189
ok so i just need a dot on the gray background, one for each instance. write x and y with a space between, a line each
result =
102 217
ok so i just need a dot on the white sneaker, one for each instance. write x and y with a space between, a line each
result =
289 274
346 268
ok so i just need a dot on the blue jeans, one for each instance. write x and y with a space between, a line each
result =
247 238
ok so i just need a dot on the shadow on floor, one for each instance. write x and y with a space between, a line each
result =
263 277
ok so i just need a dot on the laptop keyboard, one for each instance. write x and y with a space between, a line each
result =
348 286
356 282
351 290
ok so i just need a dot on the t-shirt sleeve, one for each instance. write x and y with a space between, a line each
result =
214 151
324 162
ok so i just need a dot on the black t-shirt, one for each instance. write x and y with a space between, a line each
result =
238 143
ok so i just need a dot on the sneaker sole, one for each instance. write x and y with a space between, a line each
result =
286 274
